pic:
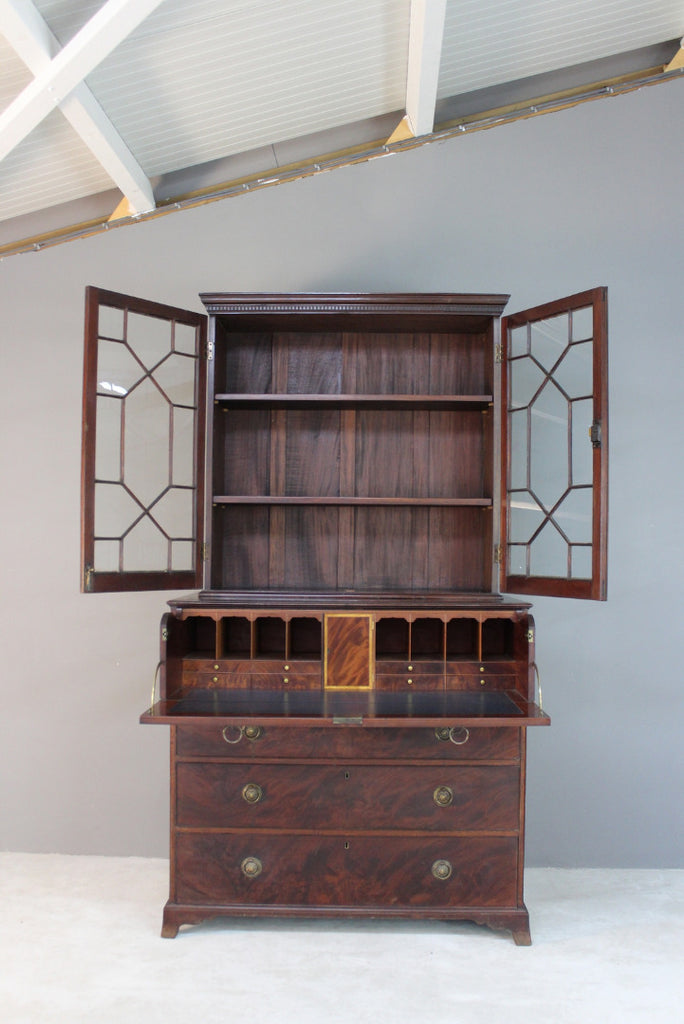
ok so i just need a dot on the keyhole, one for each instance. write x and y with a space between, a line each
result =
346 775
346 845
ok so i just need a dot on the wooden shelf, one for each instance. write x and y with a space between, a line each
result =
268 499
301 401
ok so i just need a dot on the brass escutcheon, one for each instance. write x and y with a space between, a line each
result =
443 796
252 793
441 870
251 867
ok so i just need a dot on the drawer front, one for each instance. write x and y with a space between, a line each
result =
409 681
443 798
252 681
335 871
283 742
252 675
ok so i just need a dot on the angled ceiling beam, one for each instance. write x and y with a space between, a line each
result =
102 34
29 35
425 50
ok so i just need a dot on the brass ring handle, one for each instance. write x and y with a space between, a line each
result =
443 796
251 867
252 732
457 735
252 793
441 870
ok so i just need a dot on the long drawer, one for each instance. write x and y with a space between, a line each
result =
255 743
352 797
336 871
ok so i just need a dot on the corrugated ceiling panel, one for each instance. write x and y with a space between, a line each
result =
488 42
199 81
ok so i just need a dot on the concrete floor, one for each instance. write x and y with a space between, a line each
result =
79 942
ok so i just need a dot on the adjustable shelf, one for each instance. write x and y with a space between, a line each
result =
269 499
381 401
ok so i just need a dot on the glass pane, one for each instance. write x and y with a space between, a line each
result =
526 380
115 510
145 548
575 372
110 322
146 442
549 553
149 337
174 513
108 439
185 339
581 563
517 341
176 378
574 515
117 369
525 517
583 323
183 454
517 560
549 446
182 555
548 339
106 556
519 451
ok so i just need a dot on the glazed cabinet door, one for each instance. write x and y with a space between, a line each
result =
143 444
555 448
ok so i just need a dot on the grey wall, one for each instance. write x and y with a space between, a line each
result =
540 209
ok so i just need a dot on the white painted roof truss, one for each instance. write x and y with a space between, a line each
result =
58 81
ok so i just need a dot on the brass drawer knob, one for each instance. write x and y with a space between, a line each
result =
253 732
252 793
251 867
443 796
457 735
441 870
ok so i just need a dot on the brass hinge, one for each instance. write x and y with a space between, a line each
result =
498 352
529 636
88 578
204 551
498 554
595 434
210 349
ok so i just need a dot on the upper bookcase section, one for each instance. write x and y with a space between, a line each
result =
353 446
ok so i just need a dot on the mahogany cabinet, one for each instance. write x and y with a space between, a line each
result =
352 481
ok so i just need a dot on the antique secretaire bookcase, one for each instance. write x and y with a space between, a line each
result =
351 481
